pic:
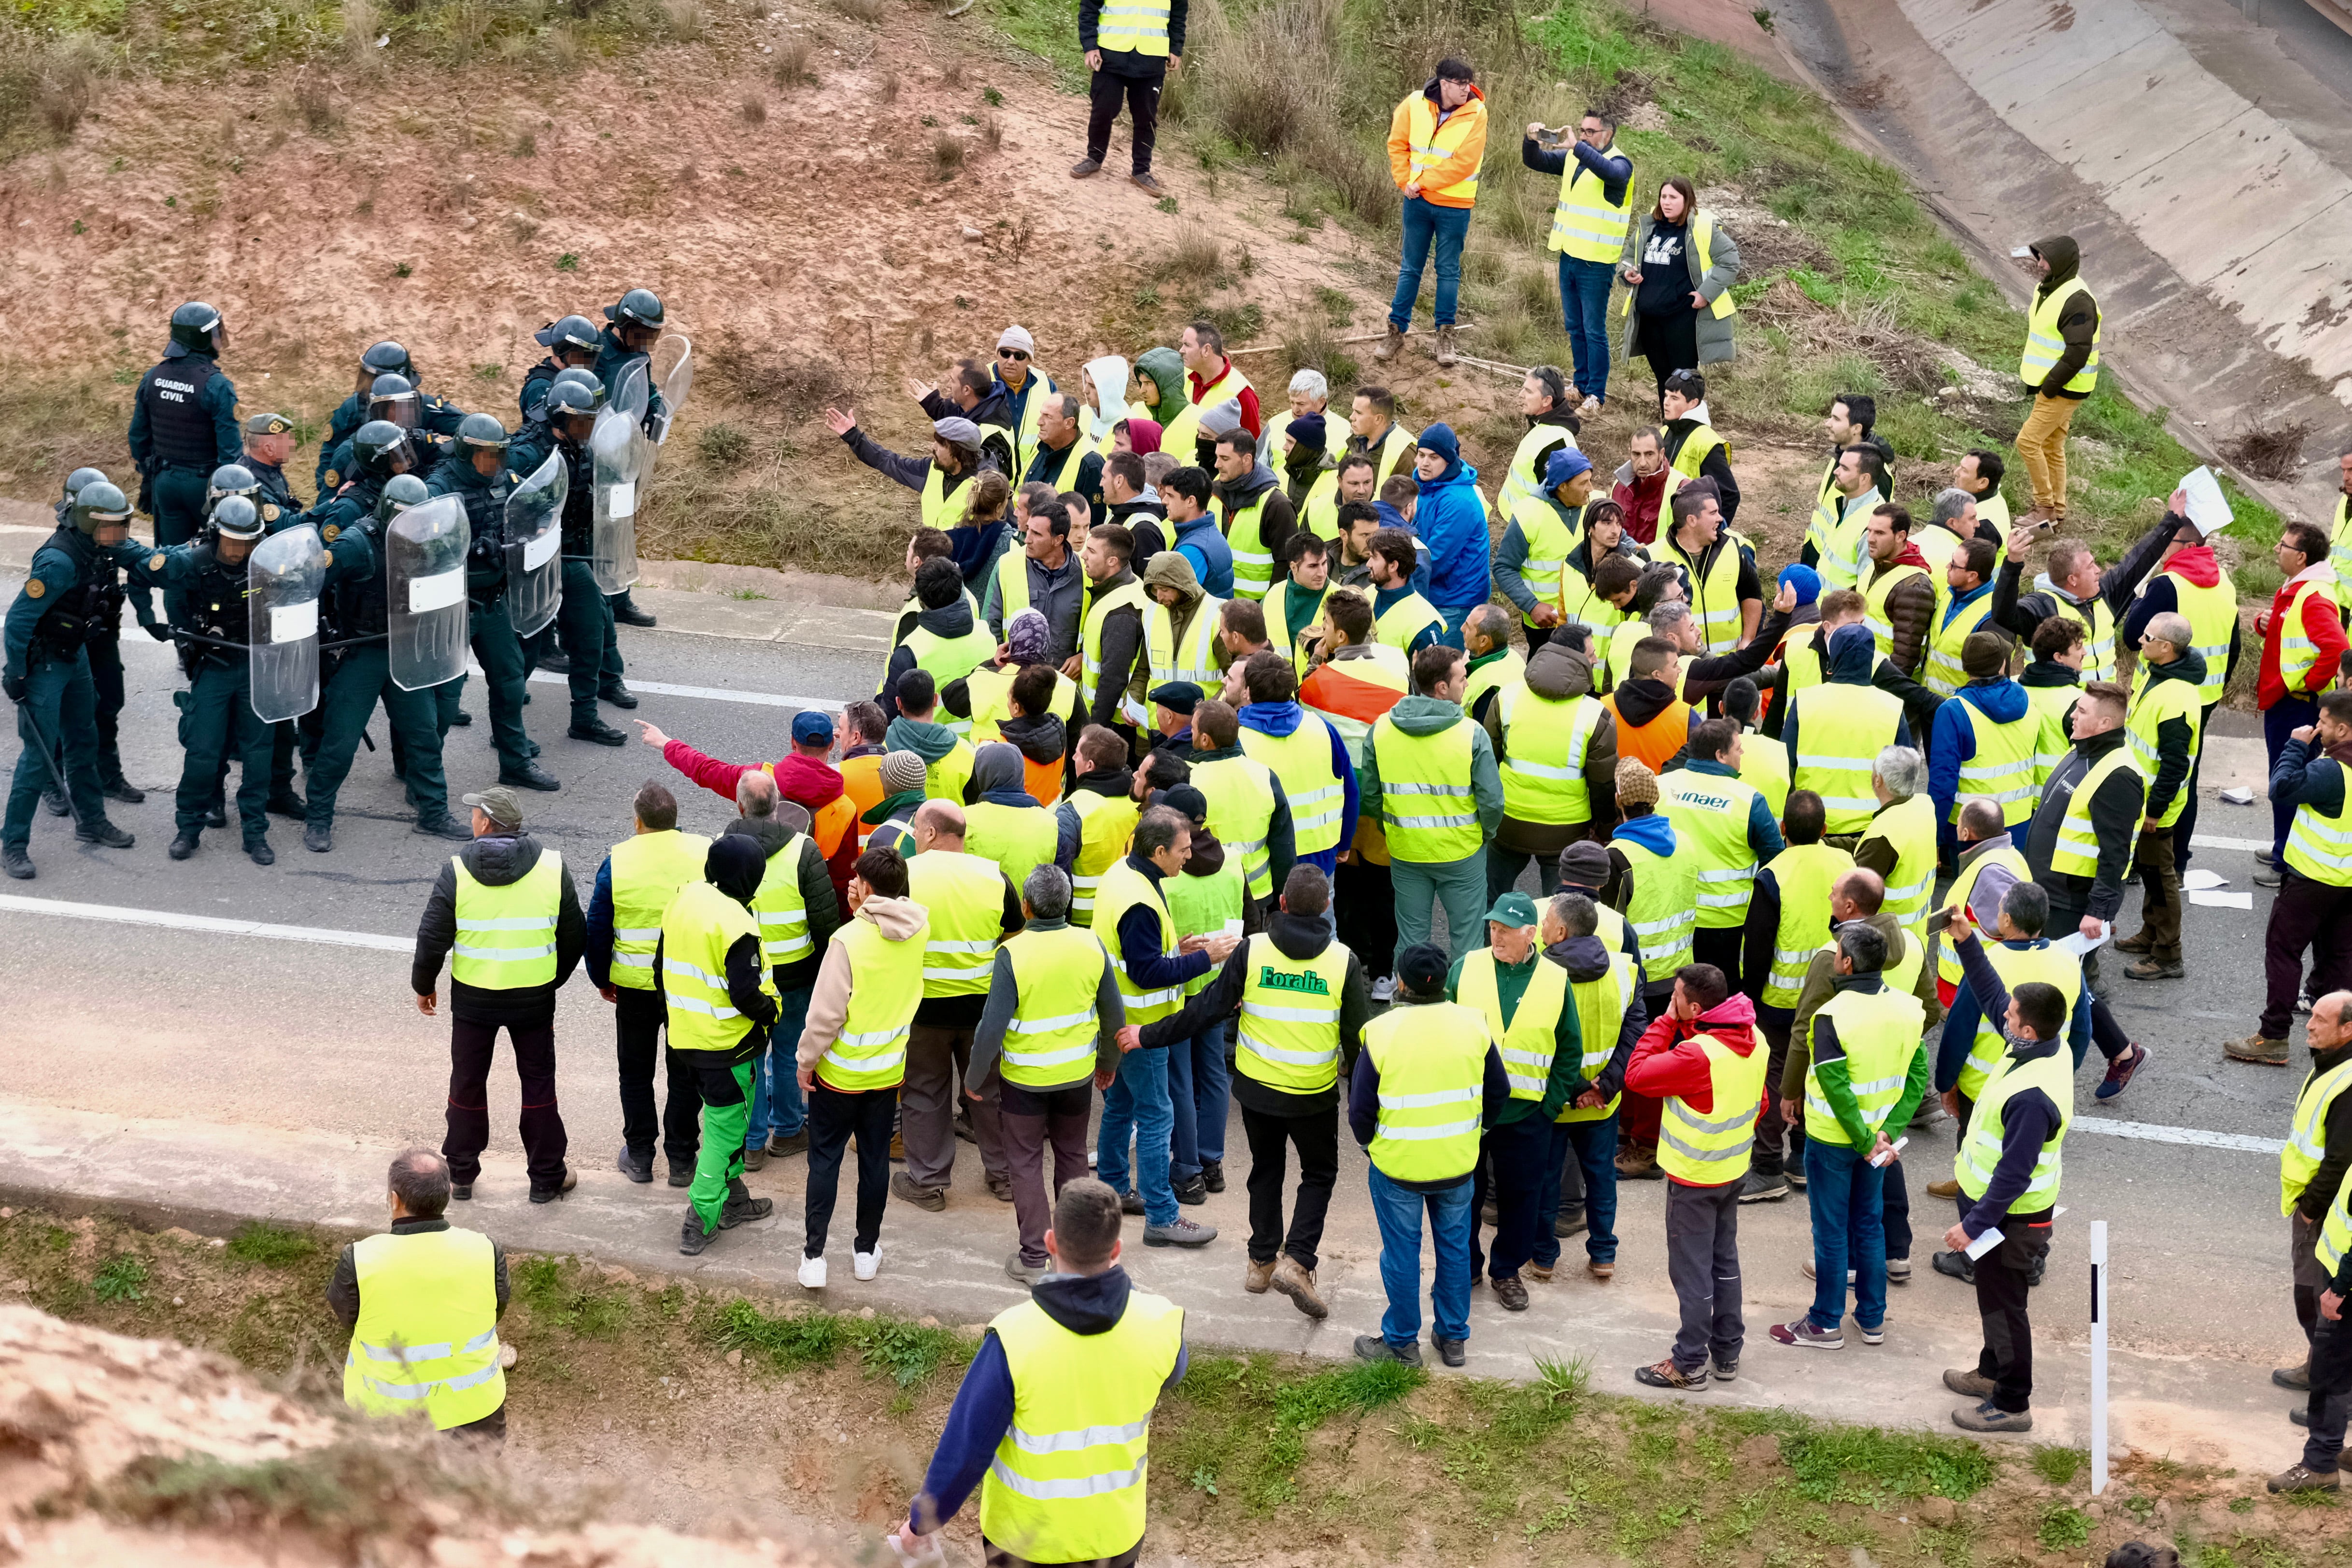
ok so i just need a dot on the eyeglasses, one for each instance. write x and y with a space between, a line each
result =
1011 354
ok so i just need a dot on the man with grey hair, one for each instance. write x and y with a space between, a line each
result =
798 912
422 1303
2165 728
1311 392
1051 1034
1899 844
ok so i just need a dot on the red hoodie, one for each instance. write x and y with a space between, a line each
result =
803 781
1665 1063
2196 565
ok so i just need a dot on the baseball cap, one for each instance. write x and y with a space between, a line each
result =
499 803
1187 801
811 727
1514 908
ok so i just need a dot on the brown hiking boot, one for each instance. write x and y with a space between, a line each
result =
1296 1281
2257 1048
1445 352
1942 1189
1257 1276
2295 1477
1389 344
2137 942
1969 1382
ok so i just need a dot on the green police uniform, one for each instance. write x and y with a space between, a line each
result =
504 668
46 674
182 426
583 623
218 723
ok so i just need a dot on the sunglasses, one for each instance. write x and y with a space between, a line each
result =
1011 354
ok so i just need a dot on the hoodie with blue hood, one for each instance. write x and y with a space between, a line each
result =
1998 700
1281 720
1420 715
1854 661
1452 519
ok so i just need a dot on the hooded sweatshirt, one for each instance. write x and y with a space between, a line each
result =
1164 368
1171 569
1296 936
2196 565
2001 701
1421 717
982 1411
1586 959
1854 661
1561 673
1109 375
950 620
1655 832
735 867
1667 1064
498 859
1451 518
1281 719
1278 518
2078 323
817 892
899 920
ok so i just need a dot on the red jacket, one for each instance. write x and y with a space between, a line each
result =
1248 400
1642 500
2322 623
1665 1063
802 780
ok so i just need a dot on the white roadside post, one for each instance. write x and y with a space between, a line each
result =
2098 1357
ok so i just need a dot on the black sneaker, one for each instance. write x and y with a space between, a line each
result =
1959 1265
1191 1193
1511 1293
2120 1071
549 1193
258 851
692 1240
1131 1202
931 1200
554 663
1212 1175
1761 1188
618 693
1666 1374
780 1145
123 789
1452 1352
318 838
679 1175
743 1211
598 731
16 863
1375 1347
638 1168
182 846
286 803
107 834
462 1191
55 799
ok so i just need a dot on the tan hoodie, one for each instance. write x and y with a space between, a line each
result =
900 920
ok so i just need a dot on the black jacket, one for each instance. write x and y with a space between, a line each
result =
1296 936
496 859
1716 467
344 1289
1586 959
2176 745
2116 815
951 620
816 892
2024 613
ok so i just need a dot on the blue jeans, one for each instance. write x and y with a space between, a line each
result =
1849 1232
1137 1104
776 1103
1425 221
1399 1209
1198 1084
1584 310
1595 1145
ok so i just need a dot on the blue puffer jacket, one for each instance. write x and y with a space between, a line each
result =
1450 519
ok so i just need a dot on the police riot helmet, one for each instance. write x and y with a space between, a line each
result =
638 308
578 376
573 334
199 328
236 517
99 503
231 479
481 432
570 400
375 444
391 387
401 491
80 476
387 358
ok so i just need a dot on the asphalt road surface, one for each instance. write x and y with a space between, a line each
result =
212 1036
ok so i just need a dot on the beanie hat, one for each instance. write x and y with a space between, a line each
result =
1017 338
1585 864
1636 785
1307 431
1422 968
1808 581
1565 465
901 771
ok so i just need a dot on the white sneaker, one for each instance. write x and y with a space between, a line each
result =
1384 990
1588 407
812 1273
865 1265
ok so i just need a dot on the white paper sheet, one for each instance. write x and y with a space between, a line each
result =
2075 942
1986 1243
2239 796
2203 881
2223 900
2207 508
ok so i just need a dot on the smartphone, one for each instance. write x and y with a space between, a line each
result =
1547 137
2045 524
1939 921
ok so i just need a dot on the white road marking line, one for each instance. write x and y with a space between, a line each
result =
2196 1137
2207 841
14 904
708 694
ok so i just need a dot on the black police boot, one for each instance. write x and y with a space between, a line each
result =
461 719
554 662
529 747
258 851
185 845
16 862
530 775
55 799
626 611
216 815
619 694
107 834
443 826
318 838
123 789
597 731
286 803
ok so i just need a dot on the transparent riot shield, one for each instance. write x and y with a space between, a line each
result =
424 592
617 448
673 372
631 391
535 546
284 577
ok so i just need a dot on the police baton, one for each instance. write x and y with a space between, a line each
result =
53 757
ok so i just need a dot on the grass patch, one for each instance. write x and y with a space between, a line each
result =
2058 1466
274 1246
119 1279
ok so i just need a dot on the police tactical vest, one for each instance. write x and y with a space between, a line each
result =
172 394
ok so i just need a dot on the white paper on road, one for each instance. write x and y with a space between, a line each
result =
2075 942
2203 881
292 622
435 592
2237 795
2223 900
537 552
2202 496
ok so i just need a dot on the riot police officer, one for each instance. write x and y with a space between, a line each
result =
351 526
476 473
44 671
571 342
105 665
635 327
208 582
269 442
387 358
426 421
183 423
584 623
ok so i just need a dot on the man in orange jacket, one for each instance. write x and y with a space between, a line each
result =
1437 138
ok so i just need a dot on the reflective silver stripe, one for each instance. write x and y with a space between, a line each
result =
1328 791
1736 1152
1461 821
1910 890
1424 788
788 922
1298 1058
520 923
650 934
876 1063
1424 1135
634 960
1528 1059
979 974
1877 1085
1732 1123
870 1037
402 1356
680 966
1290 1015
508 955
1534 1084
458 1383
936 944
697 1005
1047 1026
1078 1052
1061 1491
1806 759
1539 769
792 949
1076 1437
1652 927
1435 1097
1148 998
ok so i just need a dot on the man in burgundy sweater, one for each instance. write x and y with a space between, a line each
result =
802 776
1702 1218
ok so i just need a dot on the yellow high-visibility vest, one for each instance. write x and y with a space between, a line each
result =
1909 826
1600 1006
2076 852
1945 675
1711 1147
963 894
1427 801
1057 978
1710 815
779 909
1133 27
2298 652
697 928
1528 1038
1880 1033
1183 432
2045 962
1432 1059
1195 658
1317 794
1127 596
428 1337
1964 888
1584 224
1545 740
1665 909
1805 874
2007 765
2153 704
506 935
885 987
2306 1138
1289 1033
2045 345
1429 144
1122 888
646 872
1018 839
1106 824
2319 844
1841 730
1980 1150
1240 793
